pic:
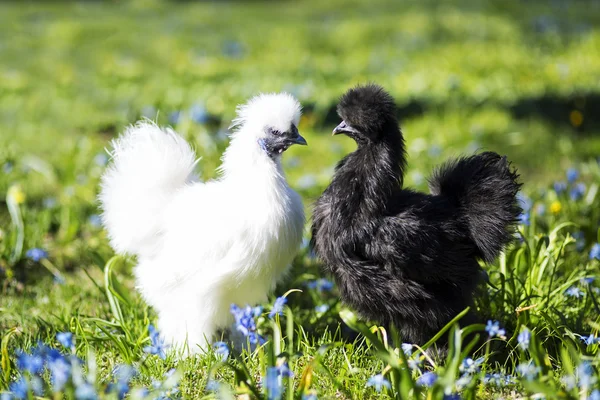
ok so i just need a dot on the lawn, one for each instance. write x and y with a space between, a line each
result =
518 78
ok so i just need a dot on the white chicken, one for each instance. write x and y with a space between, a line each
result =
202 246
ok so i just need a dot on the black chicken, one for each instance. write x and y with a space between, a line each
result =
402 257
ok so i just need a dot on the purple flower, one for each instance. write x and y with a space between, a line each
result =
36 254
595 252
222 350
278 307
427 379
378 382
66 339
493 329
524 338
157 344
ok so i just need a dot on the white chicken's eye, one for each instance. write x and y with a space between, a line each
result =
274 132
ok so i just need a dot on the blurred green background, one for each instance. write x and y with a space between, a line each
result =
518 77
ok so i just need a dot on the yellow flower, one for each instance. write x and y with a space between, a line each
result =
555 207
16 194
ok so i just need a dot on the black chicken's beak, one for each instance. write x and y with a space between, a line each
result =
343 127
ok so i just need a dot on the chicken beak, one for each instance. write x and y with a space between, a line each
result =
300 140
343 127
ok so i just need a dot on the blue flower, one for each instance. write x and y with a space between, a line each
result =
7 167
212 385
309 396
528 371
19 389
493 329
85 391
590 340
245 323
37 385
470 366
427 379
36 254
524 338
452 396
579 237
585 373
198 113
540 209
66 339
595 252
498 379
524 202
407 349
577 192
221 349
284 370
588 280
124 374
95 220
574 291
378 382
463 381
322 308
595 395
101 159
524 219
49 202
560 187
60 371
157 345
174 117
278 307
232 49
572 175
32 363
273 384
148 112
320 284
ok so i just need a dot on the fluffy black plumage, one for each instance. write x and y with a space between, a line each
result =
402 257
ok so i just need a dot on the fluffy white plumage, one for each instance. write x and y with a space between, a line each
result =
202 246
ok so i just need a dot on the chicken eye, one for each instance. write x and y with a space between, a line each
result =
274 132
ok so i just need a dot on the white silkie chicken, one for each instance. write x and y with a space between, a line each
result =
202 246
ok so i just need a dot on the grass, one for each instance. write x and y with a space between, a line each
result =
517 78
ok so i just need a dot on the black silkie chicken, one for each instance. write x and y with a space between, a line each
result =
402 257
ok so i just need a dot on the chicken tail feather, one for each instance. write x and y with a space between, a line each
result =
149 164
484 188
